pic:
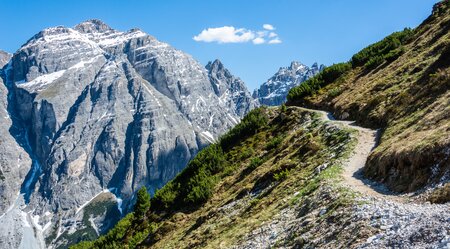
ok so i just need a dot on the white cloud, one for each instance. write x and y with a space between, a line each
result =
230 34
268 27
258 40
226 34
262 33
275 41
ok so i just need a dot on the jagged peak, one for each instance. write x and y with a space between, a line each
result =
93 26
216 64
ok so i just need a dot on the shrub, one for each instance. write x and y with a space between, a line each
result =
246 153
250 124
280 176
255 162
199 187
387 49
195 184
274 142
312 85
334 92
332 73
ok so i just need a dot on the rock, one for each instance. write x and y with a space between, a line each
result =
322 212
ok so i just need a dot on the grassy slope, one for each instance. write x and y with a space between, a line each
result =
270 171
409 99
274 170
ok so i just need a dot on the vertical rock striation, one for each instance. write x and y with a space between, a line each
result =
98 110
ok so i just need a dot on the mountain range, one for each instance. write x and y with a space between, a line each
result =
90 115
273 92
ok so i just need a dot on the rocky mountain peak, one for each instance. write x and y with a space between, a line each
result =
214 65
93 26
274 90
231 90
295 65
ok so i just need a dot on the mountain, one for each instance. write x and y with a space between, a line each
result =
91 115
231 90
296 177
274 91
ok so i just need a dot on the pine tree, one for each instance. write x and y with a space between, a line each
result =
142 203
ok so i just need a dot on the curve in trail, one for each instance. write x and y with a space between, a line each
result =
353 166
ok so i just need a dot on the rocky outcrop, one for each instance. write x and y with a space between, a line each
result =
230 89
274 91
103 110
4 58
14 161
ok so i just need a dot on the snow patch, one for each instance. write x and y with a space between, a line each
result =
151 93
41 81
121 38
86 203
208 136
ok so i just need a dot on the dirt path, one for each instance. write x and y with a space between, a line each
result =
353 166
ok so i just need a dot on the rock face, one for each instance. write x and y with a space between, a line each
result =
274 91
14 161
4 58
100 110
230 89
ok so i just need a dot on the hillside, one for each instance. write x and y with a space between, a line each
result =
401 86
285 185
294 177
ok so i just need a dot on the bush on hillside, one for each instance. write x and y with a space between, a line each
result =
195 184
310 86
387 49
250 124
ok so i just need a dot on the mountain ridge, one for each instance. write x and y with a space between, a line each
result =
273 92
104 112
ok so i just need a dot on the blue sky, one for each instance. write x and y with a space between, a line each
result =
325 31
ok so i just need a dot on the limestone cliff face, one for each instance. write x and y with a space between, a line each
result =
100 110
230 89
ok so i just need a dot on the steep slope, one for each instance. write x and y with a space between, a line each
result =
273 92
102 113
15 165
229 89
279 185
401 85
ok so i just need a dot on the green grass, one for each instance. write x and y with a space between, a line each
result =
280 161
